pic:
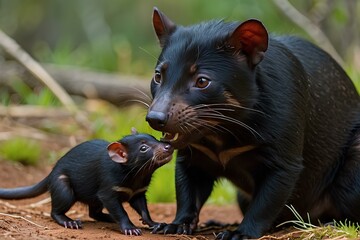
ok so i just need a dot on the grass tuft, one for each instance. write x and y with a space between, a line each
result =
307 230
349 228
26 95
162 186
21 150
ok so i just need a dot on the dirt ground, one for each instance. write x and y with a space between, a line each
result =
30 219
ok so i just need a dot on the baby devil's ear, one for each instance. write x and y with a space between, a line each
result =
134 131
117 152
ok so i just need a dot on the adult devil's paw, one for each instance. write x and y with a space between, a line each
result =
157 227
231 235
173 228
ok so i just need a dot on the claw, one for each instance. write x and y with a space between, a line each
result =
233 235
137 232
223 235
73 224
158 227
79 223
180 229
187 229
131 232
172 228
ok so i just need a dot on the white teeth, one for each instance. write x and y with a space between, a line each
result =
175 137
167 137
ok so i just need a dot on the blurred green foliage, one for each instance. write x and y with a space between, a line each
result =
114 35
117 35
21 150
27 95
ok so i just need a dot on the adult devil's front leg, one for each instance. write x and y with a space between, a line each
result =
272 191
193 187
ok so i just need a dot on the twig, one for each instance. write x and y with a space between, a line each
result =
6 135
196 237
6 204
11 129
29 111
11 47
40 203
114 88
20 217
310 28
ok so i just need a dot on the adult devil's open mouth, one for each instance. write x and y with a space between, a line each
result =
170 137
177 140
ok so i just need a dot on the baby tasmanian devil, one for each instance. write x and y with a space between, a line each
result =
102 175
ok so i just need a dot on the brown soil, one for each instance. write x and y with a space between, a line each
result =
30 219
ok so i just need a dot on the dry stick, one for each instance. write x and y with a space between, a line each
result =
12 48
6 204
32 111
40 203
310 28
20 217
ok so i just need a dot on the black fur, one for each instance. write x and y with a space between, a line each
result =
87 173
276 116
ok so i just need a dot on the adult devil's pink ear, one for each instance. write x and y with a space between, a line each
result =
251 38
163 26
117 152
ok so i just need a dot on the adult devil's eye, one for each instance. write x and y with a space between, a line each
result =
202 82
144 148
157 77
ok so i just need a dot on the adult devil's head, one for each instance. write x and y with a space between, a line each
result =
204 76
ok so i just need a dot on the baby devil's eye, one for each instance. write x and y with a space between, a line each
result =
144 148
157 77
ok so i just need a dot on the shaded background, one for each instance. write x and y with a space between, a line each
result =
117 35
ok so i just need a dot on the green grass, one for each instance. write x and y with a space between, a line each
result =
162 186
26 95
350 229
223 193
307 230
354 74
21 150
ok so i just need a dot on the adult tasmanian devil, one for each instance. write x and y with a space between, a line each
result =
277 116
